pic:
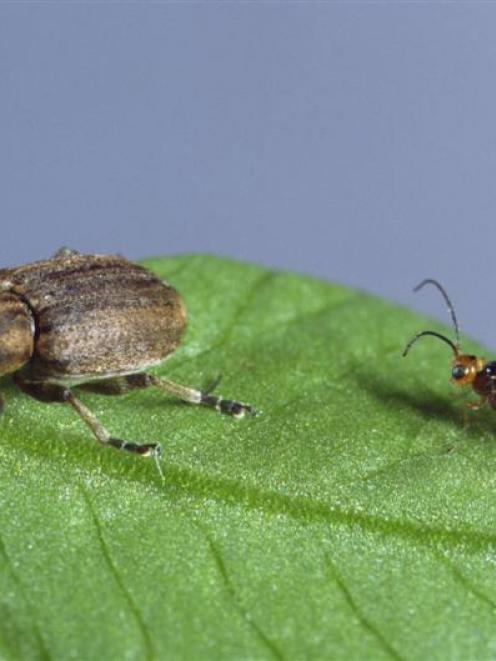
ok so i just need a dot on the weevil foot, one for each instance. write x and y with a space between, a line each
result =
153 450
237 410
143 449
231 407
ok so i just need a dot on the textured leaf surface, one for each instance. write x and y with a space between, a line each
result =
353 518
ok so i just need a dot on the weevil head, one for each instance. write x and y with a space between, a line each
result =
16 333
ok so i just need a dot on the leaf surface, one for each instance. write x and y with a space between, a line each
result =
352 518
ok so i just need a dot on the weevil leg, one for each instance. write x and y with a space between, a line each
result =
203 397
46 392
102 435
123 384
118 385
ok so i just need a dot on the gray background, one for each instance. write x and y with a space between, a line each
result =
351 141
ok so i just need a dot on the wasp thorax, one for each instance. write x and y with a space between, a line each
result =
16 333
465 368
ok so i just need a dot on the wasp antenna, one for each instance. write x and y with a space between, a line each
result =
449 304
433 333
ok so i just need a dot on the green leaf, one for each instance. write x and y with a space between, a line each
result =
353 518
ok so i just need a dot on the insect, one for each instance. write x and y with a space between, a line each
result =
467 369
97 321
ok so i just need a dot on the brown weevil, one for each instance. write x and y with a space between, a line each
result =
467 369
98 321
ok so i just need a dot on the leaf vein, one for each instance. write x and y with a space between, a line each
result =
247 617
307 511
364 622
44 652
468 585
147 641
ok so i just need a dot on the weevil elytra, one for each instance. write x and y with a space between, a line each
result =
467 369
97 321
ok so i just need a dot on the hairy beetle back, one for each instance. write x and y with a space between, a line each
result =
96 316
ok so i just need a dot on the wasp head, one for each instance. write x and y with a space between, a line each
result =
465 369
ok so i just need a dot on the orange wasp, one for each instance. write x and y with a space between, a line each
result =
467 369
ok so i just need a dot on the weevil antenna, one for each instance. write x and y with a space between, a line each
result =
427 332
449 304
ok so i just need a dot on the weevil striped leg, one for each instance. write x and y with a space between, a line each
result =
204 398
102 435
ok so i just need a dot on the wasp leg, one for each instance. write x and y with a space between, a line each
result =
123 384
54 393
472 406
475 406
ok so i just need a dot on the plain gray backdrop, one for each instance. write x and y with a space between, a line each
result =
352 141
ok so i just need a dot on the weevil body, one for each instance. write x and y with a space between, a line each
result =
467 369
84 317
93 320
